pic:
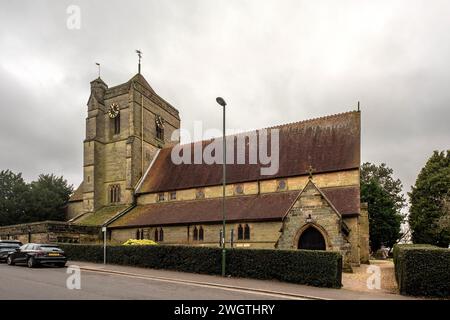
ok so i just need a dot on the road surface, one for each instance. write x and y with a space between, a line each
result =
20 282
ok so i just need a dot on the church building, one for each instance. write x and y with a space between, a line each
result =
132 187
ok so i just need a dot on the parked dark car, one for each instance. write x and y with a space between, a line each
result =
7 246
33 254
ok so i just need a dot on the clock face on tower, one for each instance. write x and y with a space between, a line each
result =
113 110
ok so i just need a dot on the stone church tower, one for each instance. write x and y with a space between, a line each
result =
125 126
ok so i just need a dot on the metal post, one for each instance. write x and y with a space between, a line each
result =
104 245
223 195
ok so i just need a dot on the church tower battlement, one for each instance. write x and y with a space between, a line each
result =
125 126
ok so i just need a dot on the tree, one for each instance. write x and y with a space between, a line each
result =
47 198
429 201
383 175
39 200
384 219
443 223
13 194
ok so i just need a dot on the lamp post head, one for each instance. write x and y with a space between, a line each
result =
221 101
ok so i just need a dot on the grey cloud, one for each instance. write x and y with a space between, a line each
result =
273 61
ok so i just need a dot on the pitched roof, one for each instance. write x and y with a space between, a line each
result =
262 207
249 208
78 194
345 199
100 216
330 143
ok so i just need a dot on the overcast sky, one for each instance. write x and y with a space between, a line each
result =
273 61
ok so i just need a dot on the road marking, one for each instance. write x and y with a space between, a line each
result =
284 295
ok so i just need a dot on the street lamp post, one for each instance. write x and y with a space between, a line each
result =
222 102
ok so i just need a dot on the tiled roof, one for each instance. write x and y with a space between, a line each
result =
253 207
330 143
78 194
345 199
268 206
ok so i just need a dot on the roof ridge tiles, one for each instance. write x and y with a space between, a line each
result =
335 115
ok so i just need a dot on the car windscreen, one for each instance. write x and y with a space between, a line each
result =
49 248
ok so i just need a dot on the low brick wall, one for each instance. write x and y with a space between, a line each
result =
50 232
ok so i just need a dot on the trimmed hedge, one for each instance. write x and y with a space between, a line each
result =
422 270
317 268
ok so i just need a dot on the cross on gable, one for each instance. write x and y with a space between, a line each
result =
311 170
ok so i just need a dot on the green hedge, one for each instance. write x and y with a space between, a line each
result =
317 268
422 270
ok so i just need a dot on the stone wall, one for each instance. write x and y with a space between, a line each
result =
262 234
364 234
51 232
74 209
312 206
322 180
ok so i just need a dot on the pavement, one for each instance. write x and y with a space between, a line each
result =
102 282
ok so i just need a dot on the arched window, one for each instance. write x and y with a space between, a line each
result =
240 232
159 128
195 237
117 124
200 234
156 235
247 232
111 194
138 234
142 234
114 193
161 234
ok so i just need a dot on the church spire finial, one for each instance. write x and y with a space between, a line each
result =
139 52
98 65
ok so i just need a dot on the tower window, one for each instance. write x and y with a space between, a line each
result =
117 124
159 127
114 193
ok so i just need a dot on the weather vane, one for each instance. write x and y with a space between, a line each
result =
98 65
139 52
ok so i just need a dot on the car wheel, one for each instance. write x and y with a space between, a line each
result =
10 261
31 263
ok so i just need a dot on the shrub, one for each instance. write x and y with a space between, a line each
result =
422 270
134 242
317 268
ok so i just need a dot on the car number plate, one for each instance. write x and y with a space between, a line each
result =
53 254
